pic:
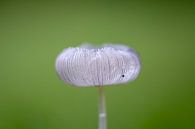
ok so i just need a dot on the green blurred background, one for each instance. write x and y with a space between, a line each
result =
32 33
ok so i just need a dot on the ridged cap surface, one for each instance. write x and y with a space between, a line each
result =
87 66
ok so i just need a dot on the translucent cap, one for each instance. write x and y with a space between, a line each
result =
88 66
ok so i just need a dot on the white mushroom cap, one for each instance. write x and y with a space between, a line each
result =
89 66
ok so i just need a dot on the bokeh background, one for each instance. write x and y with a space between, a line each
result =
32 33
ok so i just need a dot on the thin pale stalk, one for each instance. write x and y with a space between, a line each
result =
102 109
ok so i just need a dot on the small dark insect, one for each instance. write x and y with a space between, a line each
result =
123 75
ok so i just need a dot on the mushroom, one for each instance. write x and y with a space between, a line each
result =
88 66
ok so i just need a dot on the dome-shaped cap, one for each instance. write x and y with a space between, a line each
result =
89 66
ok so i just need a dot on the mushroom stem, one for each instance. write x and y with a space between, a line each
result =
102 109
